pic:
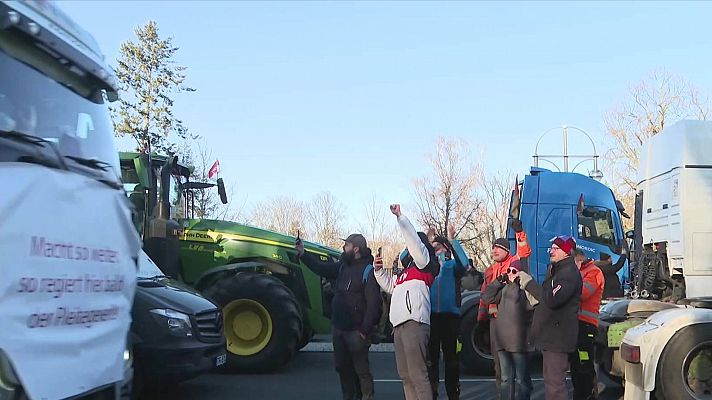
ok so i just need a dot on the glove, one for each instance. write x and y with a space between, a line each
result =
517 225
524 279
503 279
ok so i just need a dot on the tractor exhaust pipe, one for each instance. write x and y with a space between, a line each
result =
164 206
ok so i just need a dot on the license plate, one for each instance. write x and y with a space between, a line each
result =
220 360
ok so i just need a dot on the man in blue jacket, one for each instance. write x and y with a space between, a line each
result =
445 299
356 309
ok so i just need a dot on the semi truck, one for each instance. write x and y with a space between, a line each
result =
69 248
550 204
665 352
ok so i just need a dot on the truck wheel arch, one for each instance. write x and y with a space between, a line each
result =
663 336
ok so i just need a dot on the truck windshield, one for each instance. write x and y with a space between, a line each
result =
596 225
42 97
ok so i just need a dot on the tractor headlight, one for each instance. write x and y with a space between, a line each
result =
177 323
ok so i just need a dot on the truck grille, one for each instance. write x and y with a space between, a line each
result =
210 325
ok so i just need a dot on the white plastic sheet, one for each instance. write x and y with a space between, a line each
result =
67 251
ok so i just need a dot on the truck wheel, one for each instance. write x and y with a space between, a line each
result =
263 324
475 355
685 369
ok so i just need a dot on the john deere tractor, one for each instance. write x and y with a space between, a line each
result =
272 303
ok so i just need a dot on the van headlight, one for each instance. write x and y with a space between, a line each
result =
177 323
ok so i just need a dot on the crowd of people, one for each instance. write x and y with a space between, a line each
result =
558 317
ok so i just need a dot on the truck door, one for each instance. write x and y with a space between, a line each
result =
600 231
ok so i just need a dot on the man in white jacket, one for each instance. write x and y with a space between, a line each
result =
410 307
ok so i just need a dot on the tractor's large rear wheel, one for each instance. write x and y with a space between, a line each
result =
263 324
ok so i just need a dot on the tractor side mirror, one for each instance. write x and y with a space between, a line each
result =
221 191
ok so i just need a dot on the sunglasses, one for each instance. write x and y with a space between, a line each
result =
512 270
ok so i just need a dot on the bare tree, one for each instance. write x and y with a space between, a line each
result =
448 195
281 214
494 193
651 104
326 219
379 228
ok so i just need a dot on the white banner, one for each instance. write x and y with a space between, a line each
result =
68 251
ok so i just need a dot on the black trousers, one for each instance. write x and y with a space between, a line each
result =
444 331
351 359
583 372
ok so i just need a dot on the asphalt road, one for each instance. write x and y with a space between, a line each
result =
311 375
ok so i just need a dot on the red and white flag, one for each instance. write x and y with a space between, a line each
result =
214 170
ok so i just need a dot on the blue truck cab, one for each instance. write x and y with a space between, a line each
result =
550 204
565 203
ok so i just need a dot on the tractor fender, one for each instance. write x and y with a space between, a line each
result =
207 277
653 335
470 299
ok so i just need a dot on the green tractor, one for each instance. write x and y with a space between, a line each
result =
272 303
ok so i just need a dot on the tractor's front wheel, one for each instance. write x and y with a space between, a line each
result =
263 324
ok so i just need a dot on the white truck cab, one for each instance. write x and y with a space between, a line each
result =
669 355
673 210
67 240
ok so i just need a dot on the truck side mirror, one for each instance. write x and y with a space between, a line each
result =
630 235
221 191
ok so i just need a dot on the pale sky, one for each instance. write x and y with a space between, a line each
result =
295 98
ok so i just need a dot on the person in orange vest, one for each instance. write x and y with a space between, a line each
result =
502 259
583 373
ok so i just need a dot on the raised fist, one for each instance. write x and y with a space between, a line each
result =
395 209
517 225
451 232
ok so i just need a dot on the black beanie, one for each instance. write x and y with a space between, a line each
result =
502 243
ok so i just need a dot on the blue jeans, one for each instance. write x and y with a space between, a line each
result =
516 381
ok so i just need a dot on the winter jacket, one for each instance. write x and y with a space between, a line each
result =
514 314
357 299
612 286
445 293
555 323
523 251
410 291
591 293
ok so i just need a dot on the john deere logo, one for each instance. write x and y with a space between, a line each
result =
197 236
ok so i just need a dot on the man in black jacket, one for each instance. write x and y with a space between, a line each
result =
355 310
612 286
555 325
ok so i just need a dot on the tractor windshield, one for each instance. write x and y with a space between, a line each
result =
46 99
